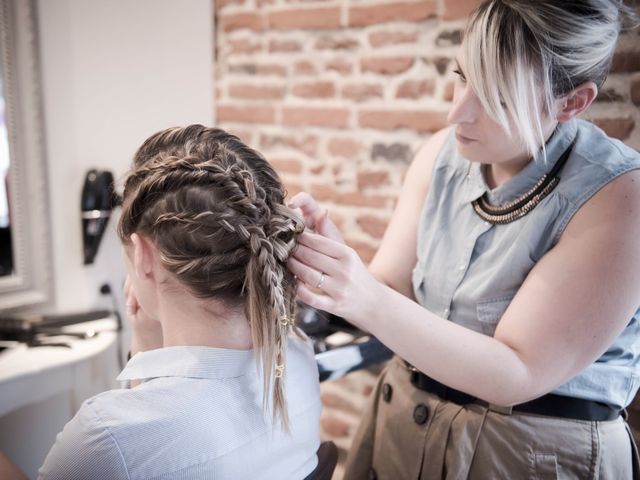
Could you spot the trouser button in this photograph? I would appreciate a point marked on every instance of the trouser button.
(420, 414)
(387, 392)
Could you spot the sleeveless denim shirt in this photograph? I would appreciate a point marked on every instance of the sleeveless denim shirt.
(468, 270)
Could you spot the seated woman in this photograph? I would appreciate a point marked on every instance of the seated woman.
(224, 388)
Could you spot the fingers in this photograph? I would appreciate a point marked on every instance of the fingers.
(310, 276)
(324, 245)
(316, 260)
(325, 227)
(313, 299)
(304, 202)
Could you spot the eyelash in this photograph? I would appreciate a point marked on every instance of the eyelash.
(459, 73)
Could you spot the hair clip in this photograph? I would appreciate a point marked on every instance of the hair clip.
(299, 227)
(287, 321)
(279, 371)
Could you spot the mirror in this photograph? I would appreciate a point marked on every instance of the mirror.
(25, 258)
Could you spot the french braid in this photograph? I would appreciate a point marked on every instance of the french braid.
(215, 210)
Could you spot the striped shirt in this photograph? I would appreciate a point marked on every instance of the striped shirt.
(199, 415)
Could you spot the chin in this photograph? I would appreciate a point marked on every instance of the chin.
(471, 153)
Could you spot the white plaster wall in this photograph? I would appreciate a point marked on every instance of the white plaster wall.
(114, 72)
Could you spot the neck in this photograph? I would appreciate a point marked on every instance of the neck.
(497, 174)
(189, 321)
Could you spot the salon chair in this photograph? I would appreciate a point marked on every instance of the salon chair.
(339, 347)
(327, 460)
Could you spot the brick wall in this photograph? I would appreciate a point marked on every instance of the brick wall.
(339, 94)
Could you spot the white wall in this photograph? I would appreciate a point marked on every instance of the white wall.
(114, 72)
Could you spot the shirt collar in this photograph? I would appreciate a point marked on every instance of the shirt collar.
(525, 179)
(187, 361)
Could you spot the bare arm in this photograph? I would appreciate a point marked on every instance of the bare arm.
(396, 256)
(571, 307)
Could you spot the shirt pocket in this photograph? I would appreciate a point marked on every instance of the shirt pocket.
(490, 312)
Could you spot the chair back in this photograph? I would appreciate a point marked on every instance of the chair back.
(327, 460)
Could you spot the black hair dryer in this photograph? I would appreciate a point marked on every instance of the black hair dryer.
(98, 199)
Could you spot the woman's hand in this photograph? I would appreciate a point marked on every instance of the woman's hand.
(333, 278)
(315, 218)
(146, 332)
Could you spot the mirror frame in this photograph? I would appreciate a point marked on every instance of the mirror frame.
(31, 284)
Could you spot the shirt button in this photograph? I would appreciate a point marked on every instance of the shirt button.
(420, 414)
(462, 267)
(445, 312)
(487, 223)
(387, 392)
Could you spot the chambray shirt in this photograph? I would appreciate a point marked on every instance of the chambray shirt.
(468, 270)
(198, 415)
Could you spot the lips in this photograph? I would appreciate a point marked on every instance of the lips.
(464, 139)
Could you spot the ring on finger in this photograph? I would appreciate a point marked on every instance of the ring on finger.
(319, 285)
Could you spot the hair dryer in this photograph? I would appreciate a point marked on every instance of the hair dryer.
(98, 199)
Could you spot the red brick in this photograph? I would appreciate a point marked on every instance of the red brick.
(303, 67)
(253, 114)
(626, 62)
(415, 89)
(326, 193)
(305, 18)
(321, 117)
(340, 65)
(366, 251)
(316, 169)
(336, 43)
(374, 226)
(362, 91)
(287, 165)
(271, 69)
(635, 91)
(243, 134)
(243, 45)
(314, 90)
(307, 144)
(343, 147)
(372, 179)
(387, 65)
(220, 4)
(284, 46)
(418, 120)
(455, 9)
(362, 16)
(265, 2)
(255, 91)
(381, 39)
(238, 21)
(292, 189)
(619, 128)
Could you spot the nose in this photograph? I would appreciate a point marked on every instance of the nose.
(465, 105)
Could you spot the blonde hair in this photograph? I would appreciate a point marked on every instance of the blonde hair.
(215, 210)
(522, 55)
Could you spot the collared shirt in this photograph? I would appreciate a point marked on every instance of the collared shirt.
(469, 270)
(197, 415)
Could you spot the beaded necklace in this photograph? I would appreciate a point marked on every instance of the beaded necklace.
(518, 208)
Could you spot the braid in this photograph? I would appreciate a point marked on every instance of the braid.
(215, 209)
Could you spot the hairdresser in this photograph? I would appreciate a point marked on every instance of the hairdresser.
(508, 280)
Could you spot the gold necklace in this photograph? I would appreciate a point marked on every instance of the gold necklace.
(518, 208)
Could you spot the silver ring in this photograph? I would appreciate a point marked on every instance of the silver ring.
(321, 280)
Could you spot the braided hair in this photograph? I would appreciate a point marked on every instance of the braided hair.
(215, 210)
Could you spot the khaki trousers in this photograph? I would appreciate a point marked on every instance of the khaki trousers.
(407, 433)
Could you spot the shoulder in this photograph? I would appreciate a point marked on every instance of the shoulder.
(431, 149)
(84, 449)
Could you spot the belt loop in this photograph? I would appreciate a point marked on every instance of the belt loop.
(499, 409)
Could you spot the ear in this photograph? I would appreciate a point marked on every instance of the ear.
(577, 101)
(143, 256)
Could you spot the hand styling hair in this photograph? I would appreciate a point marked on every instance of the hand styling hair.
(215, 210)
